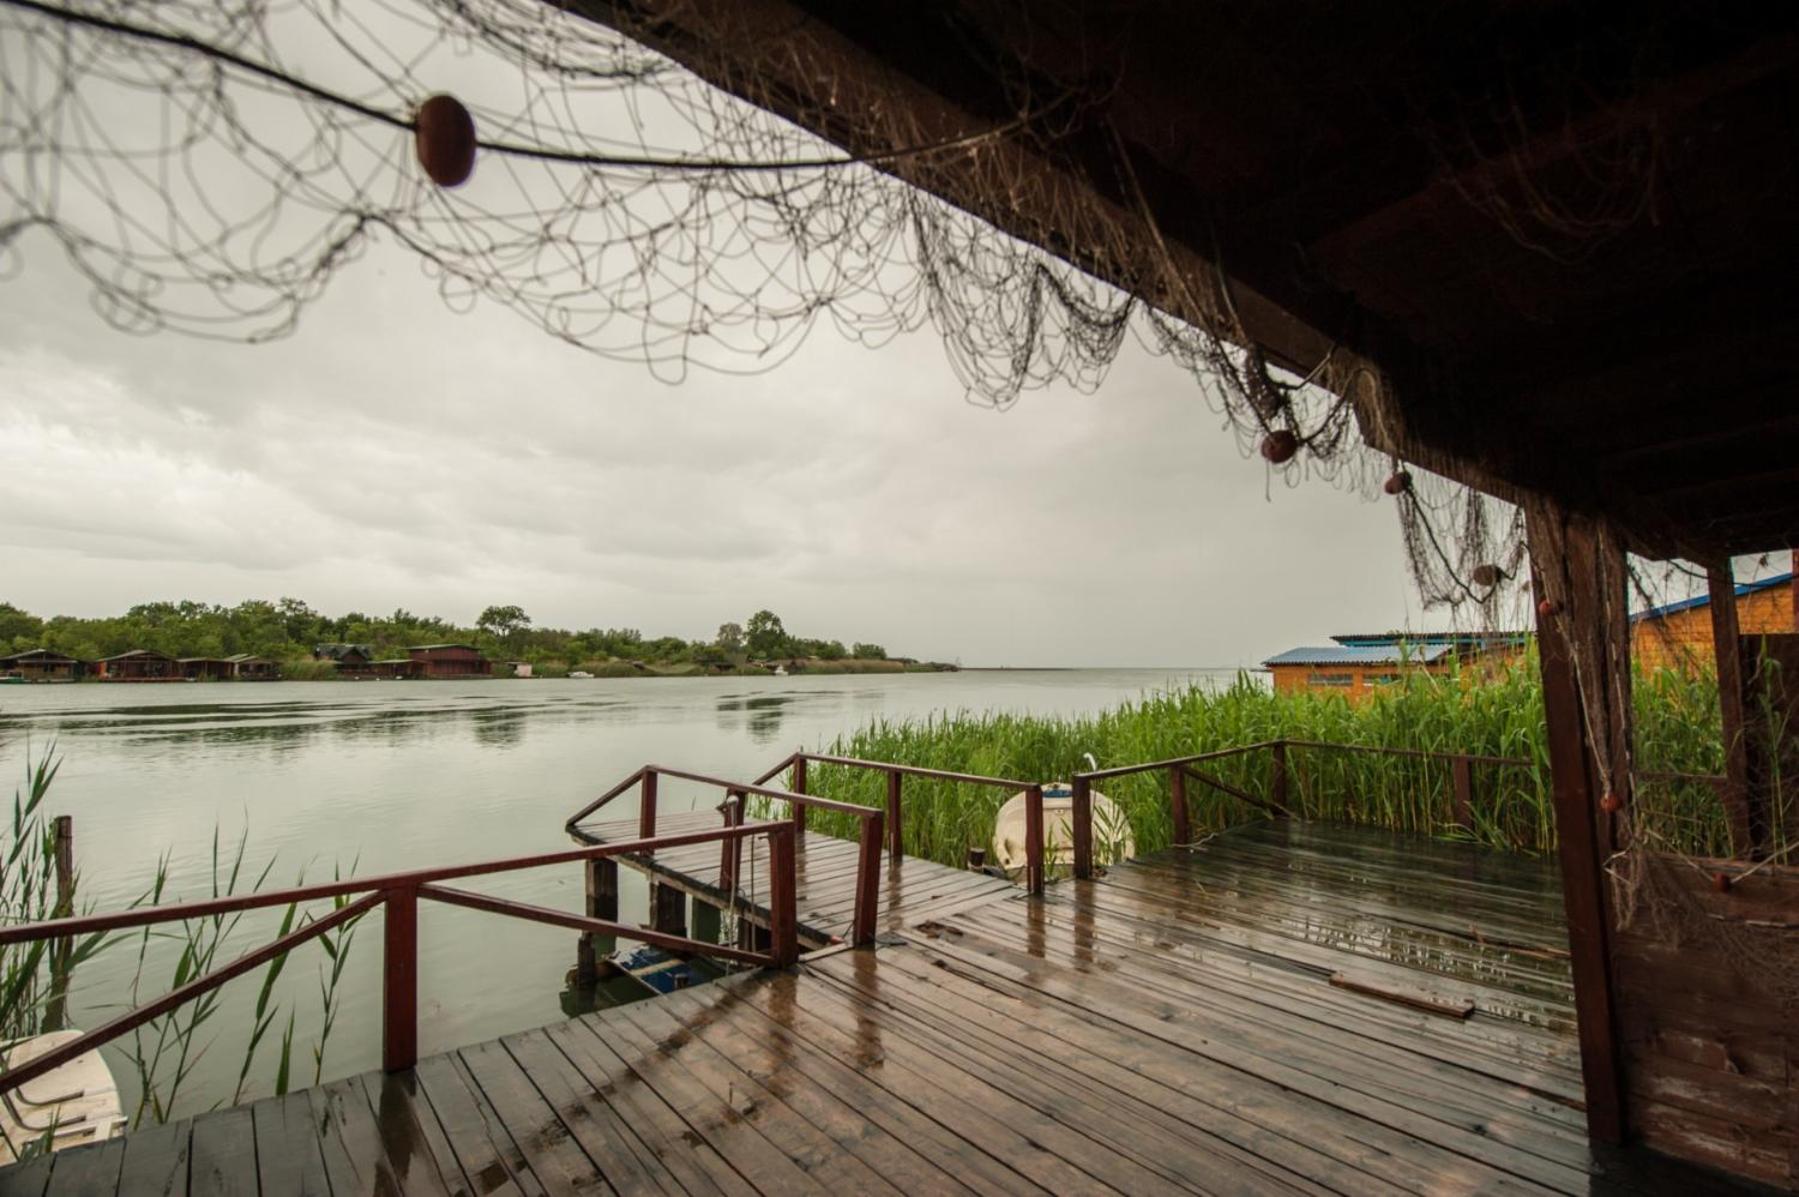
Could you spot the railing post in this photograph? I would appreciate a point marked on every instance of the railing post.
(783, 897)
(1033, 839)
(400, 979)
(1462, 769)
(1177, 804)
(602, 903)
(646, 805)
(895, 841)
(1082, 813)
(868, 881)
(798, 786)
(1277, 777)
(62, 949)
(730, 852)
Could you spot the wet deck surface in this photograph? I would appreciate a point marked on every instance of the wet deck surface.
(911, 889)
(1172, 1027)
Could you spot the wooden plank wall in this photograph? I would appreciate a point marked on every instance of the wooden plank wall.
(1707, 1022)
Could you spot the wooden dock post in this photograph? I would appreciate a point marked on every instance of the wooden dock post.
(1177, 804)
(1462, 773)
(783, 897)
(1277, 777)
(400, 979)
(62, 835)
(668, 909)
(895, 840)
(1033, 839)
(601, 903)
(1081, 811)
(868, 883)
(646, 805)
(730, 852)
(798, 786)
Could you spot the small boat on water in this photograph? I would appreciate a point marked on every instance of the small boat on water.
(69, 1106)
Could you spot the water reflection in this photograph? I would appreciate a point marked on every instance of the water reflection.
(760, 715)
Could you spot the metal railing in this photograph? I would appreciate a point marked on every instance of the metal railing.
(398, 894)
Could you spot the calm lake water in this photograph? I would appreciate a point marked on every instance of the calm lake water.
(379, 776)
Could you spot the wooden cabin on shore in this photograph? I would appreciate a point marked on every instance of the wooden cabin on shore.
(248, 667)
(206, 669)
(139, 665)
(441, 661)
(42, 665)
(1356, 666)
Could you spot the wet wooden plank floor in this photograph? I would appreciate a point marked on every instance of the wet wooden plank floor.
(910, 888)
(1169, 1028)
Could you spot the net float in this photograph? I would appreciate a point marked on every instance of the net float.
(444, 137)
(1280, 445)
(1398, 484)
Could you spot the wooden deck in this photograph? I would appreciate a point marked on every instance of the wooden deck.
(1171, 1027)
(911, 889)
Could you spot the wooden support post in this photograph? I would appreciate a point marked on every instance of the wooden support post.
(601, 903)
(783, 897)
(1081, 811)
(798, 786)
(1462, 772)
(1177, 805)
(62, 950)
(730, 852)
(1033, 839)
(1277, 777)
(646, 805)
(707, 921)
(668, 909)
(895, 838)
(1732, 707)
(868, 882)
(1589, 596)
(400, 979)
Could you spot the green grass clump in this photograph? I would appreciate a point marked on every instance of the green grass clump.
(1499, 715)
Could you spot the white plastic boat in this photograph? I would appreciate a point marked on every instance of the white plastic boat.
(1112, 840)
(75, 1104)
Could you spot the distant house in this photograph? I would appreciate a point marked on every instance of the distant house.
(205, 669)
(400, 668)
(138, 665)
(1679, 635)
(1357, 665)
(349, 658)
(450, 661)
(42, 665)
(248, 667)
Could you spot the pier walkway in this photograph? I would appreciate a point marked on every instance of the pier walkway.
(1286, 1008)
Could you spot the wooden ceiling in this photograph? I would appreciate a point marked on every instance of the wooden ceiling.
(1565, 233)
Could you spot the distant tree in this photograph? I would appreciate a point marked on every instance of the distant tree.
(18, 626)
(868, 652)
(765, 635)
(504, 622)
(830, 650)
(730, 638)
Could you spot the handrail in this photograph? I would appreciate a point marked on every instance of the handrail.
(1148, 766)
(647, 778)
(399, 894)
(1035, 874)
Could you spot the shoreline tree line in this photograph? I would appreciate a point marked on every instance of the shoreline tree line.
(287, 630)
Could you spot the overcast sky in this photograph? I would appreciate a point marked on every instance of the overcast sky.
(396, 454)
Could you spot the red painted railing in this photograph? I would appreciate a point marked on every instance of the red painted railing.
(647, 781)
(399, 894)
(896, 774)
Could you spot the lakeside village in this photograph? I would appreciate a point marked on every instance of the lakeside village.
(259, 641)
(1354, 666)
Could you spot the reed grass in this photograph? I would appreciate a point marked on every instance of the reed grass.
(1499, 715)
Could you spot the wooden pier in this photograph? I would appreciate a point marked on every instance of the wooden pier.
(1180, 1024)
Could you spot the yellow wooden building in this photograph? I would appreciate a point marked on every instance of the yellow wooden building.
(1355, 666)
(1679, 635)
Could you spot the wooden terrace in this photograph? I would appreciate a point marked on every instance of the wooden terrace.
(1286, 1007)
